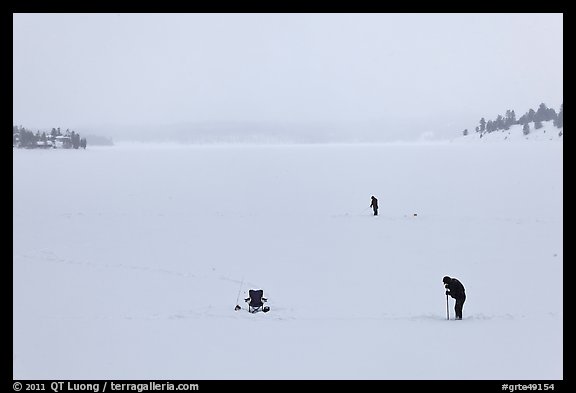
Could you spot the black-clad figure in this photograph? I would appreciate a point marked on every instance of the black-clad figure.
(374, 205)
(455, 289)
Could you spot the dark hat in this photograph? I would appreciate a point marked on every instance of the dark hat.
(446, 279)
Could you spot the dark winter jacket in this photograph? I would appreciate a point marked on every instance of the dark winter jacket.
(456, 289)
(374, 203)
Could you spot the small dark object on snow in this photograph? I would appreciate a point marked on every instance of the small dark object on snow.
(415, 214)
(374, 204)
(237, 308)
(266, 309)
(256, 300)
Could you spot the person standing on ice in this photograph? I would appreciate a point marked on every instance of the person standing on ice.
(455, 289)
(374, 205)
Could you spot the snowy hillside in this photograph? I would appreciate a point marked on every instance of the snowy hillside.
(548, 132)
(128, 262)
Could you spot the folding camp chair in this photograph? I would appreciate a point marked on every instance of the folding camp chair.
(256, 301)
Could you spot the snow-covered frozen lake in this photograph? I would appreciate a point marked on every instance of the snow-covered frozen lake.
(128, 262)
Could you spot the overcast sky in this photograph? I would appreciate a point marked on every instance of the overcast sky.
(97, 70)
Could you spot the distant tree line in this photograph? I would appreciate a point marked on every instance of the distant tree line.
(25, 138)
(99, 140)
(509, 119)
